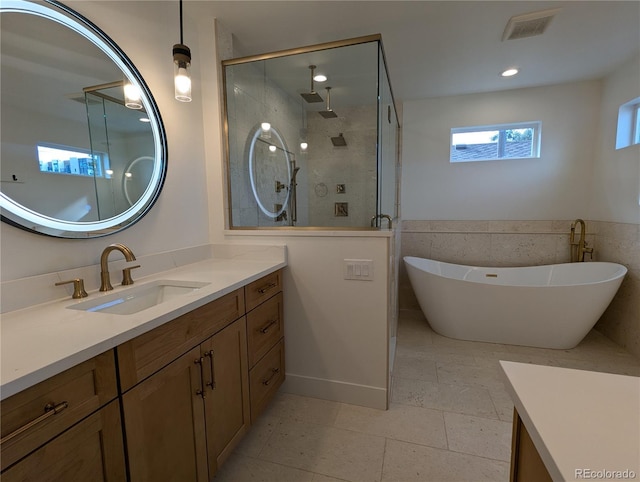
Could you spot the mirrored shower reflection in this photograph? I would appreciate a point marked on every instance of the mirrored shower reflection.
(308, 152)
(122, 146)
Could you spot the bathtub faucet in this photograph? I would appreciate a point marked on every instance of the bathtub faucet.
(579, 248)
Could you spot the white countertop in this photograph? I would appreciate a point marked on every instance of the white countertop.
(579, 420)
(44, 340)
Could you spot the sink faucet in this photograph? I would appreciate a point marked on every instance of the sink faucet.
(105, 284)
(579, 248)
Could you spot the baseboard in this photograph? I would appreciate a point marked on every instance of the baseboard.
(337, 391)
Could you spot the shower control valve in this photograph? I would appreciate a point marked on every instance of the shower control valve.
(280, 186)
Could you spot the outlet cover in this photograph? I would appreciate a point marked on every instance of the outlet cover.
(358, 269)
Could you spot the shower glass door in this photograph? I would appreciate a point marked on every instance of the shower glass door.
(308, 151)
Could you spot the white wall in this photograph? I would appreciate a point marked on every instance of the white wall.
(336, 330)
(616, 182)
(180, 217)
(552, 187)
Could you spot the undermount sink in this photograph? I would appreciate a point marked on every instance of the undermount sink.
(139, 298)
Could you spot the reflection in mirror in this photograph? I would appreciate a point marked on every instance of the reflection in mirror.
(136, 178)
(270, 168)
(68, 139)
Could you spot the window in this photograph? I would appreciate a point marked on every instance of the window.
(74, 161)
(636, 124)
(628, 132)
(488, 143)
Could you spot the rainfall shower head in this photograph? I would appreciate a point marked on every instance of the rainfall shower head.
(311, 96)
(328, 112)
(339, 141)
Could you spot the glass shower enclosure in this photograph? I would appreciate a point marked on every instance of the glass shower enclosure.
(122, 149)
(312, 138)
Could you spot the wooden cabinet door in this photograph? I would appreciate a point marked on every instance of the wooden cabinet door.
(76, 392)
(164, 424)
(227, 411)
(92, 450)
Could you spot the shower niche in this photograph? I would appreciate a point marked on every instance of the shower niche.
(311, 131)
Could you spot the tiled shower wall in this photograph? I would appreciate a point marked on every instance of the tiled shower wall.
(620, 243)
(530, 243)
(353, 165)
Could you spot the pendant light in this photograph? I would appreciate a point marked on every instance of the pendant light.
(132, 96)
(182, 68)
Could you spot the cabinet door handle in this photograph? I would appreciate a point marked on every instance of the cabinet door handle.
(266, 288)
(268, 326)
(200, 391)
(274, 372)
(50, 410)
(212, 383)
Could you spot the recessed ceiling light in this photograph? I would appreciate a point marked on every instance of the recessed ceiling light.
(509, 72)
(320, 78)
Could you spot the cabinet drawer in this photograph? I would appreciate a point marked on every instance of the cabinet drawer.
(263, 289)
(264, 328)
(148, 353)
(265, 379)
(91, 450)
(25, 421)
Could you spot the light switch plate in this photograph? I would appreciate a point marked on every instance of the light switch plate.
(358, 269)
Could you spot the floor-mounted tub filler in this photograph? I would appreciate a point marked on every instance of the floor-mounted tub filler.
(551, 306)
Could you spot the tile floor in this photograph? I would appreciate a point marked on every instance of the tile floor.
(449, 419)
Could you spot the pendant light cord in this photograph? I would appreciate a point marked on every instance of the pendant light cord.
(181, 39)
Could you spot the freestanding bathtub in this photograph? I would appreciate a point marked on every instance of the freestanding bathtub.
(551, 306)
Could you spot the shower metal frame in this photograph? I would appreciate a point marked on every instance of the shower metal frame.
(295, 51)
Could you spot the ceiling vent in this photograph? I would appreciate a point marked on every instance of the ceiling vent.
(529, 24)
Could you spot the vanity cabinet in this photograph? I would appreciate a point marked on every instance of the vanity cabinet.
(265, 330)
(265, 333)
(151, 351)
(526, 463)
(164, 423)
(182, 421)
(188, 392)
(193, 385)
(66, 427)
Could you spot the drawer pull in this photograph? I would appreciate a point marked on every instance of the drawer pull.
(266, 288)
(200, 391)
(274, 372)
(268, 326)
(49, 411)
(212, 383)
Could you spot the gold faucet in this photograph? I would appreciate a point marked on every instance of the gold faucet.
(579, 248)
(105, 282)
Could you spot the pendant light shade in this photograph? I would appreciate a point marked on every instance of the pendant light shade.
(132, 96)
(182, 67)
(182, 72)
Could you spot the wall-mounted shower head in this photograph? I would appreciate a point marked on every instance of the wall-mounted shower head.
(328, 112)
(311, 96)
(339, 141)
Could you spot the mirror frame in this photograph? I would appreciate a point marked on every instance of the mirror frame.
(19, 216)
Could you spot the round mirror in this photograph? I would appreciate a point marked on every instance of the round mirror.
(83, 147)
(269, 170)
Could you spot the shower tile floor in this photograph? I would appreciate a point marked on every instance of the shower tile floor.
(449, 417)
